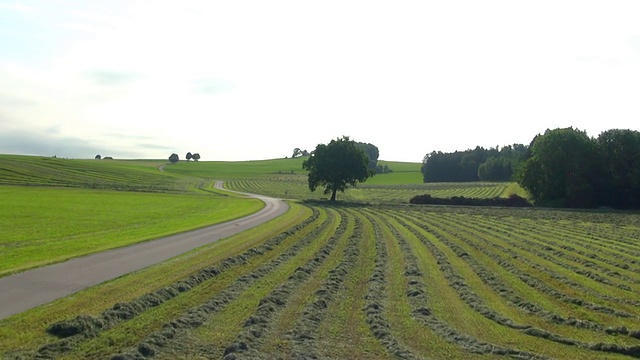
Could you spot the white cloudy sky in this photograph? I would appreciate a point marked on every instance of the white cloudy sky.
(246, 80)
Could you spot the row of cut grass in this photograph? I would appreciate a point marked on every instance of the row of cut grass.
(476, 279)
(24, 331)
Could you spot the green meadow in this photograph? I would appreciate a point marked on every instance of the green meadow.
(368, 277)
(56, 209)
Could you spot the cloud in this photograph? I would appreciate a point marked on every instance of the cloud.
(31, 144)
(111, 78)
(17, 7)
(28, 143)
(156, 147)
(213, 86)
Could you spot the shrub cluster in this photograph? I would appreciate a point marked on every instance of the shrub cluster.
(512, 201)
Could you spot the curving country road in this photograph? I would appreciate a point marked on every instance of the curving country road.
(26, 290)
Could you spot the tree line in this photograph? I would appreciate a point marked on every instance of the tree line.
(479, 164)
(561, 168)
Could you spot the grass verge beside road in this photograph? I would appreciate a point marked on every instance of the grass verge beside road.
(46, 225)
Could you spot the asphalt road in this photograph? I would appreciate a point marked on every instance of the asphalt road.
(26, 290)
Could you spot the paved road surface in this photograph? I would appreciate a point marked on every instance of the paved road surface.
(31, 288)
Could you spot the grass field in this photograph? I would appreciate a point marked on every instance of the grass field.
(373, 278)
(45, 225)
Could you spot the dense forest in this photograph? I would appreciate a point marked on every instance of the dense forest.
(479, 164)
(562, 167)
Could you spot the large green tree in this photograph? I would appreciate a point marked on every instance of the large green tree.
(337, 165)
(563, 170)
(620, 152)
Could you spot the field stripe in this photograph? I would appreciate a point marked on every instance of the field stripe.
(171, 300)
(268, 318)
(504, 315)
(345, 333)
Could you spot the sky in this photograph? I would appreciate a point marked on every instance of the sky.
(251, 80)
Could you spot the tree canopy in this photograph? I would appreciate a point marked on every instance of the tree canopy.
(563, 169)
(620, 156)
(494, 164)
(337, 165)
(174, 158)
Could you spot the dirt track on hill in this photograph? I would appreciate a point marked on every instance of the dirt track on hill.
(26, 290)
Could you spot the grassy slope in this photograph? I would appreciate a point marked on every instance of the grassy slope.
(46, 225)
(56, 209)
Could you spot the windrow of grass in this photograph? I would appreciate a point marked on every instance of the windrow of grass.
(510, 316)
(359, 281)
(24, 333)
(521, 289)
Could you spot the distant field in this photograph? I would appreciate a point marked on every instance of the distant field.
(55, 209)
(122, 175)
(296, 187)
(284, 178)
(368, 282)
(227, 170)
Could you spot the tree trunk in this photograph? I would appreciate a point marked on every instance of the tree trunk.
(333, 195)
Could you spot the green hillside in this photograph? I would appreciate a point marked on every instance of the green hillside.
(130, 175)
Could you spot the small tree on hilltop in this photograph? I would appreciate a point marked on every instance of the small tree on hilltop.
(189, 156)
(174, 158)
(195, 157)
(336, 166)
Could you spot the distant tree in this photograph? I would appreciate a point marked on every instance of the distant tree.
(296, 153)
(189, 156)
(174, 158)
(495, 169)
(98, 157)
(107, 158)
(195, 157)
(305, 153)
(372, 153)
(336, 166)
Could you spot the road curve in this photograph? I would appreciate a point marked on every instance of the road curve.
(26, 290)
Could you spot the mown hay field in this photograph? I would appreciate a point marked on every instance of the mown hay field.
(366, 280)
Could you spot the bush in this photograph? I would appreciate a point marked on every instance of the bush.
(512, 201)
